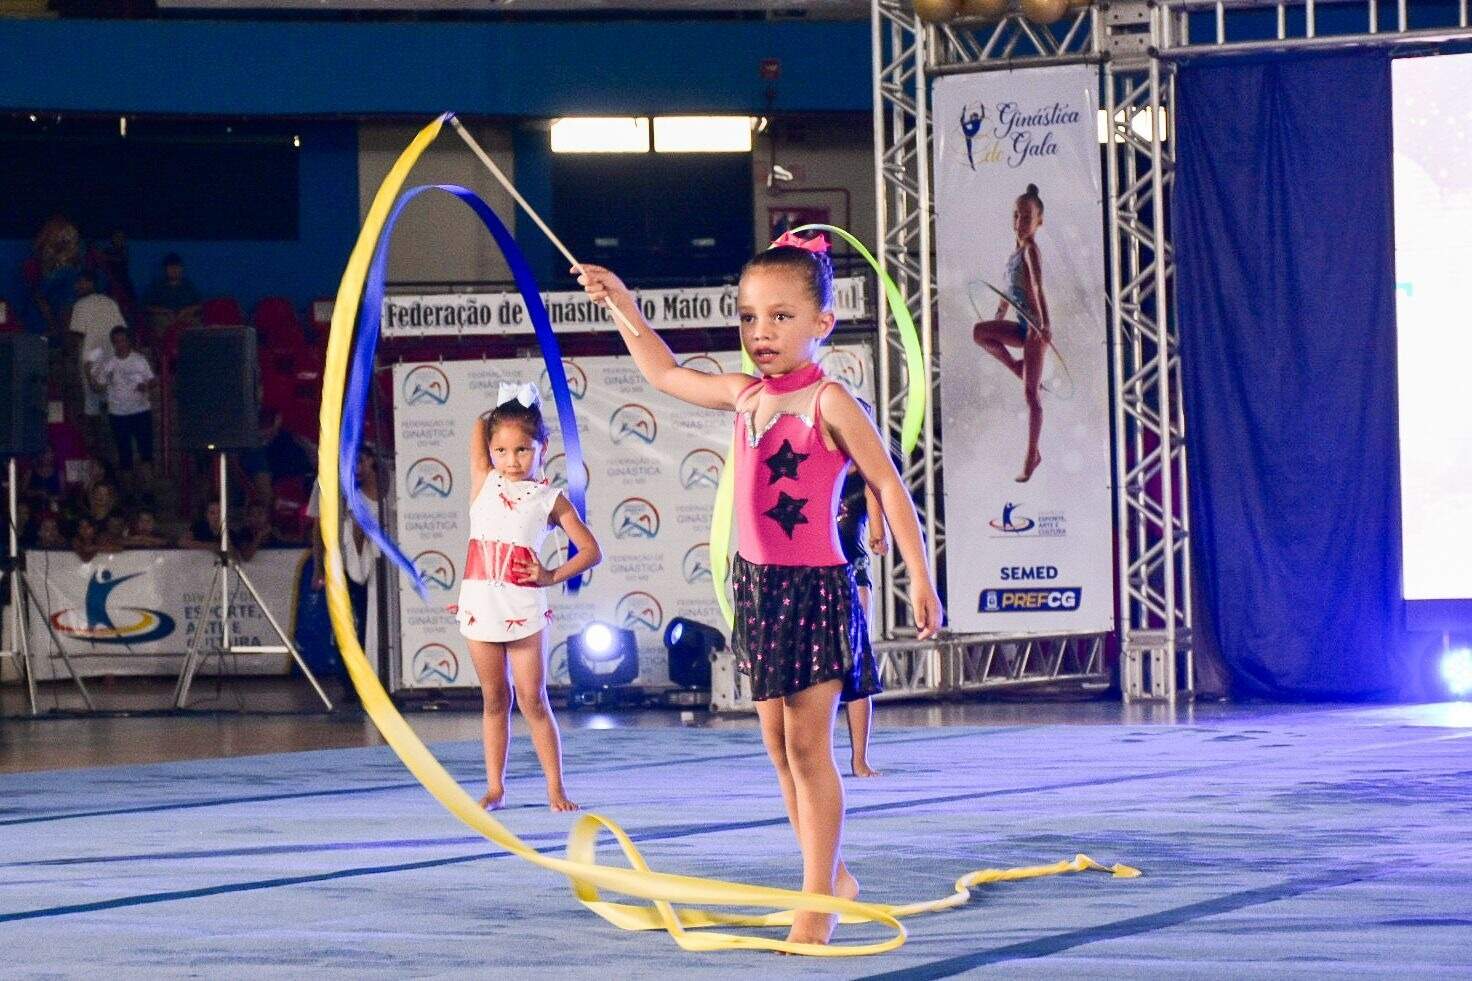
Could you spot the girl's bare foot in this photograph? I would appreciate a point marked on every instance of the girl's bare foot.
(861, 768)
(845, 886)
(557, 800)
(494, 800)
(812, 927)
(1029, 467)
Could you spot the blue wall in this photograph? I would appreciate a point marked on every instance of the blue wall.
(301, 270)
(510, 69)
(323, 69)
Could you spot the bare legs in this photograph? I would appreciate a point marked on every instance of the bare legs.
(523, 662)
(860, 715)
(495, 694)
(798, 733)
(997, 337)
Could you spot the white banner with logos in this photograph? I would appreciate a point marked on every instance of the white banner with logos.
(1022, 298)
(652, 461)
(135, 612)
(472, 314)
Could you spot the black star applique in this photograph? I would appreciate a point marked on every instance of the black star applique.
(787, 512)
(784, 462)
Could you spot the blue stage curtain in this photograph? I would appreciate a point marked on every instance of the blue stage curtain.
(1285, 278)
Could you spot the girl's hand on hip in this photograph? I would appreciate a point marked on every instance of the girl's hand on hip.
(531, 572)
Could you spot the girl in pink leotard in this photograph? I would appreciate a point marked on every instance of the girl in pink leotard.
(800, 631)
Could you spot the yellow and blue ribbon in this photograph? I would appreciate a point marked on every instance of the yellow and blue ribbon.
(661, 890)
(361, 379)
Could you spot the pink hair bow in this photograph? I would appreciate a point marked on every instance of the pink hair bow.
(818, 243)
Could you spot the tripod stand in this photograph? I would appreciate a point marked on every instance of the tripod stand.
(225, 565)
(22, 600)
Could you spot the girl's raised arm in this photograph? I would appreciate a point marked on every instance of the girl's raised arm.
(480, 456)
(653, 356)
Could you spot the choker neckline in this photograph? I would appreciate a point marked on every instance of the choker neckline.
(793, 380)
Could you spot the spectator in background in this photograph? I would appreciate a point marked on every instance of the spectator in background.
(101, 503)
(85, 540)
(111, 258)
(129, 382)
(50, 274)
(205, 532)
(114, 534)
(172, 298)
(94, 317)
(42, 481)
(48, 533)
(143, 531)
(258, 532)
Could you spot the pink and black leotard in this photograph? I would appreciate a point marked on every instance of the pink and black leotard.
(798, 618)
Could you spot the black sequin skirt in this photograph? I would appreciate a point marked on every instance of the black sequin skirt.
(799, 626)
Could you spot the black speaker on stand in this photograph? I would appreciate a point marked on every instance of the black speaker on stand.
(217, 391)
(23, 360)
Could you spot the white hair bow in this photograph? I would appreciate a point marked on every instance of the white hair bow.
(526, 394)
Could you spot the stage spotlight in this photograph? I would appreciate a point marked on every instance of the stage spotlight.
(1456, 671)
(601, 658)
(690, 644)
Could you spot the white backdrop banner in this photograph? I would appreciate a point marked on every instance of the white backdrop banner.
(123, 613)
(473, 314)
(1036, 555)
(652, 461)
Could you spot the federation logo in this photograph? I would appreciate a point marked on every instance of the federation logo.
(436, 569)
(1011, 522)
(632, 421)
(701, 468)
(696, 564)
(100, 623)
(639, 609)
(703, 362)
(426, 383)
(555, 470)
(635, 517)
(577, 379)
(429, 477)
(435, 664)
(844, 366)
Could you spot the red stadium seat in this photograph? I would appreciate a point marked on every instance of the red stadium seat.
(292, 495)
(277, 326)
(222, 311)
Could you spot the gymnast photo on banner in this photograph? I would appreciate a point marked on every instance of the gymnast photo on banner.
(1022, 321)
